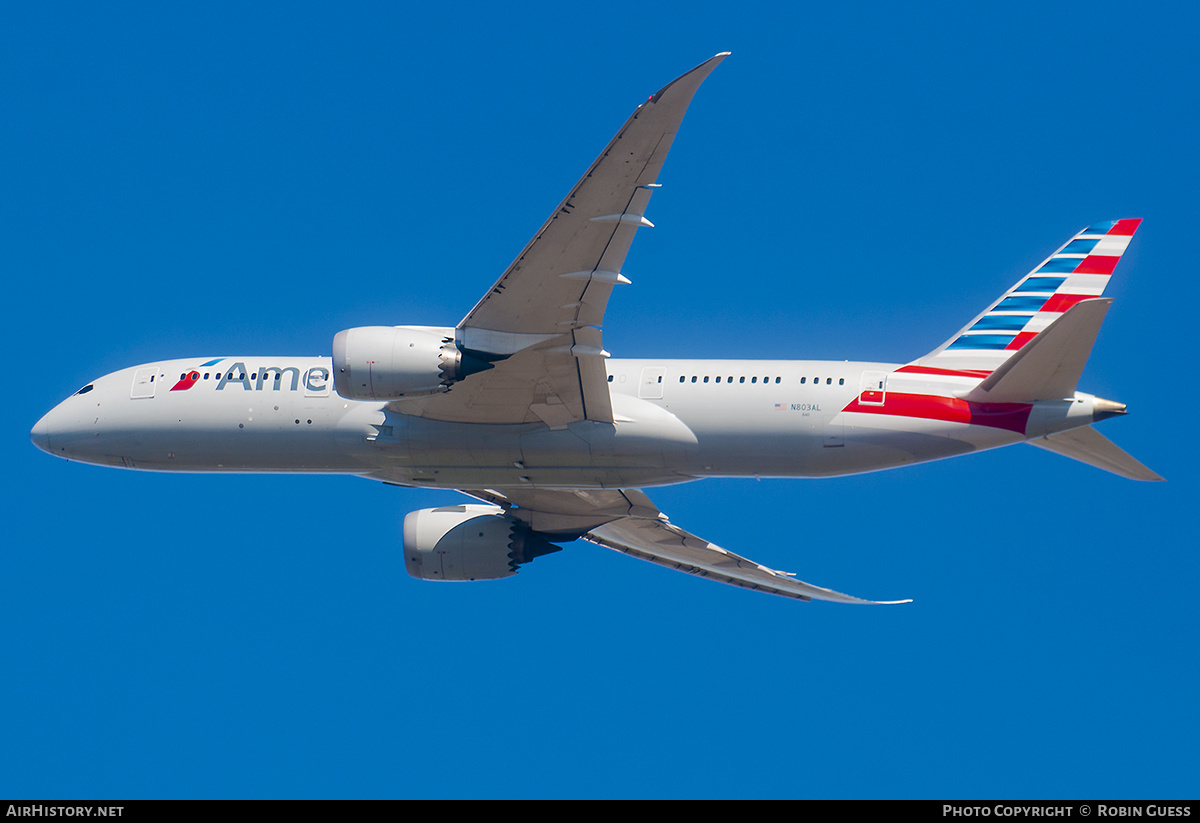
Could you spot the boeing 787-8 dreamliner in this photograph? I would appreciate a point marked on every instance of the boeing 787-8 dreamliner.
(520, 407)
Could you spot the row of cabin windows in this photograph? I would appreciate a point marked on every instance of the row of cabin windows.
(730, 379)
(252, 377)
(803, 380)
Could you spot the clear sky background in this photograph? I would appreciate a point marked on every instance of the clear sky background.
(855, 182)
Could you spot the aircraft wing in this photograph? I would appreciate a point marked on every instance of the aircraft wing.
(538, 326)
(626, 521)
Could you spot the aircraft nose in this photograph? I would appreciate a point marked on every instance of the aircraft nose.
(40, 434)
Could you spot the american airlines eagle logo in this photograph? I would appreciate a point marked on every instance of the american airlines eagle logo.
(186, 381)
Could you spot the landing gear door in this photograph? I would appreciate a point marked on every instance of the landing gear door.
(873, 388)
(143, 383)
(651, 385)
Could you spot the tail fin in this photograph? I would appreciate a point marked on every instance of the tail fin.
(1078, 271)
(1087, 445)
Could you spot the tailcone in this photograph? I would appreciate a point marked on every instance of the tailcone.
(1103, 409)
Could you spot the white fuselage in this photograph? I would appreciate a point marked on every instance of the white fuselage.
(676, 420)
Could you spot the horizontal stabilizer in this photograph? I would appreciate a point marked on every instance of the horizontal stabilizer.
(1087, 445)
(1050, 365)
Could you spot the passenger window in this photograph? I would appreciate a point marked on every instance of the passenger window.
(802, 379)
(778, 379)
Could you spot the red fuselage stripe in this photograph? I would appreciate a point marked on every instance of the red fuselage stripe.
(1010, 416)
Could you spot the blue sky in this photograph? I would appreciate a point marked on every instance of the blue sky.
(853, 183)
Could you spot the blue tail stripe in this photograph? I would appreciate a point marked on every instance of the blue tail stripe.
(1080, 247)
(1055, 264)
(982, 341)
(1001, 322)
(1040, 284)
(1022, 303)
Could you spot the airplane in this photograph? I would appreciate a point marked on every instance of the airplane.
(520, 407)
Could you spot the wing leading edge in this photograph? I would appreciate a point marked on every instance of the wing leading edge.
(539, 325)
(625, 520)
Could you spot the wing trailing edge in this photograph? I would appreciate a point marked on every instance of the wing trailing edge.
(626, 520)
(657, 541)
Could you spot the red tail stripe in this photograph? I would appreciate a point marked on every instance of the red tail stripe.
(1062, 302)
(1020, 340)
(1126, 227)
(1097, 264)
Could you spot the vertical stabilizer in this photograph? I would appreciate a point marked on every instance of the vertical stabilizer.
(1078, 271)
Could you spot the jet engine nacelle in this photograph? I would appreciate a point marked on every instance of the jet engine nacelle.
(468, 542)
(390, 362)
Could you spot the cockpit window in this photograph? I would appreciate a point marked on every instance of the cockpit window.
(86, 389)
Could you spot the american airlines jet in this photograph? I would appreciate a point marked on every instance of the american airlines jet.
(520, 407)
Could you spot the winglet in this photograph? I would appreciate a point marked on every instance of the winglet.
(689, 81)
